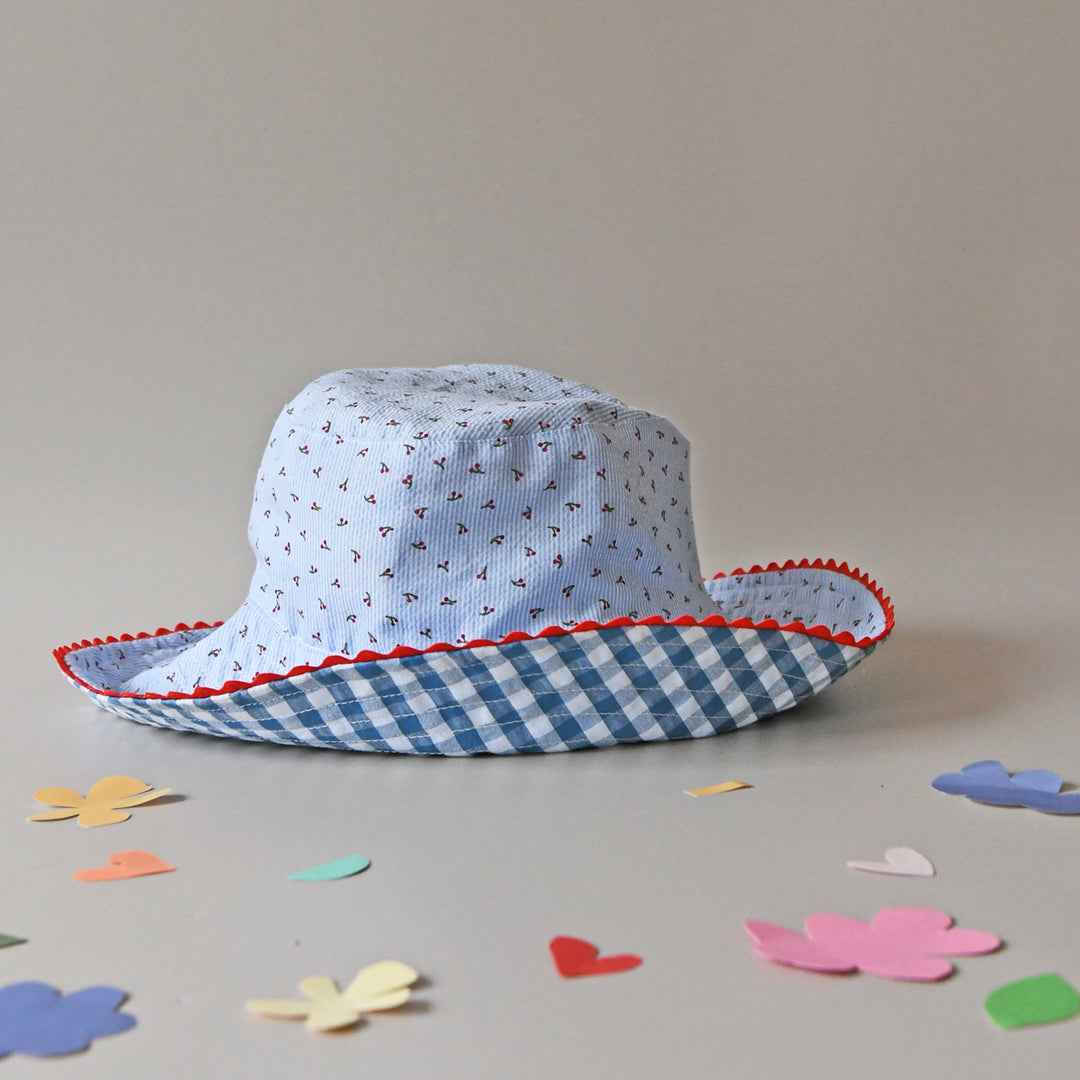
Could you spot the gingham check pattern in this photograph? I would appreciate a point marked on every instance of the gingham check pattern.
(595, 688)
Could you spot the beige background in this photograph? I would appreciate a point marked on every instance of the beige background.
(837, 243)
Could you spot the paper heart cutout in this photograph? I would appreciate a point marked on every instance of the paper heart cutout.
(125, 864)
(331, 871)
(903, 861)
(574, 957)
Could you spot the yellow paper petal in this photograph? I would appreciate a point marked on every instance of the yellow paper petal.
(319, 988)
(54, 815)
(280, 1009)
(138, 800)
(329, 1015)
(111, 788)
(96, 814)
(716, 789)
(383, 1001)
(59, 796)
(380, 986)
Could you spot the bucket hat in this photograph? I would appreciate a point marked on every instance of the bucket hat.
(484, 559)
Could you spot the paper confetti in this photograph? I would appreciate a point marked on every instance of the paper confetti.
(7, 939)
(125, 864)
(1038, 1000)
(903, 861)
(331, 871)
(898, 943)
(574, 957)
(381, 986)
(989, 782)
(36, 1019)
(716, 789)
(104, 803)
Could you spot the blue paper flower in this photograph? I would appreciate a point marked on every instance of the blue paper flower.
(989, 782)
(37, 1019)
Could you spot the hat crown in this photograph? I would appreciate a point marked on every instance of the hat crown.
(461, 403)
(417, 506)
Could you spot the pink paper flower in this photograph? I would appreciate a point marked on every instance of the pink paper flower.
(897, 943)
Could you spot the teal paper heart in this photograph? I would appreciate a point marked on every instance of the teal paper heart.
(330, 871)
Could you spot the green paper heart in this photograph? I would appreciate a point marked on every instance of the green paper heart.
(338, 868)
(1038, 1000)
(7, 939)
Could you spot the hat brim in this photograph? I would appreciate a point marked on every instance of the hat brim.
(594, 685)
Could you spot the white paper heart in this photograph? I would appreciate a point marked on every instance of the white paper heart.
(904, 861)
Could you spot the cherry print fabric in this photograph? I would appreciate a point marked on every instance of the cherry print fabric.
(410, 507)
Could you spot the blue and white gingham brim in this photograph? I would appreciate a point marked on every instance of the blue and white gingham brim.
(615, 684)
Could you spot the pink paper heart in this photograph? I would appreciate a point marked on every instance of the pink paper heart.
(903, 861)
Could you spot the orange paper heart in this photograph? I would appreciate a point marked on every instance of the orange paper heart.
(125, 864)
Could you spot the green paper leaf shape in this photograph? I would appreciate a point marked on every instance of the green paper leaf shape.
(1038, 1000)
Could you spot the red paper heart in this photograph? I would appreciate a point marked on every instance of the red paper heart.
(125, 864)
(576, 957)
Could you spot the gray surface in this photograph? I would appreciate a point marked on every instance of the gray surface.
(836, 244)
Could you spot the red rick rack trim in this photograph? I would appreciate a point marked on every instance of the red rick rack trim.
(402, 651)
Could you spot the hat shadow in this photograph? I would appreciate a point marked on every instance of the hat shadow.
(940, 677)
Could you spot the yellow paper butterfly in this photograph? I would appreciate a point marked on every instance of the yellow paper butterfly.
(103, 804)
(381, 986)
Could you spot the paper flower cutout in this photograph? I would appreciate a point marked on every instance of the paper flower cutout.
(103, 804)
(898, 943)
(989, 782)
(375, 988)
(36, 1019)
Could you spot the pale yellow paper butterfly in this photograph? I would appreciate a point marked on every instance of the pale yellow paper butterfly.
(381, 986)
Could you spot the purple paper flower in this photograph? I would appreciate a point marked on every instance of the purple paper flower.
(990, 782)
(37, 1019)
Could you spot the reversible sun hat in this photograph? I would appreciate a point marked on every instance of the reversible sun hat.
(484, 559)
